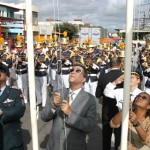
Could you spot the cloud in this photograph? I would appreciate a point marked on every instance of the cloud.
(110, 14)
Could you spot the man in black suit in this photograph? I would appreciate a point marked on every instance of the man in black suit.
(109, 108)
(12, 108)
(1, 137)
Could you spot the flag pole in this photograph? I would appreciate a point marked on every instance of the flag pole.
(127, 81)
(31, 75)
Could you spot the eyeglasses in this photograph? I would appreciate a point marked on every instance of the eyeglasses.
(76, 70)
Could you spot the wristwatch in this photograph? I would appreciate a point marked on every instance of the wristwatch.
(136, 124)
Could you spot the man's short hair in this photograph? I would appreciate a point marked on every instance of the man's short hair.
(84, 68)
(115, 61)
(5, 69)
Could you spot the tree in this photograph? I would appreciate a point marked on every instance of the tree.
(71, 29)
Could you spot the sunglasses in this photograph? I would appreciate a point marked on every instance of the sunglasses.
(143, 97)
(76, 70)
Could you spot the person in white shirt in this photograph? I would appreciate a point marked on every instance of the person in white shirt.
(45, 48)
(110, 91)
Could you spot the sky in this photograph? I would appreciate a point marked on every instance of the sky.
(110, 14)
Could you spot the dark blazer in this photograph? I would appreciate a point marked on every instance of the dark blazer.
(81, 121)
(1, 137)
(109, 108)
(12, 105)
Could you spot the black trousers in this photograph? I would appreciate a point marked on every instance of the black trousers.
(107, 134)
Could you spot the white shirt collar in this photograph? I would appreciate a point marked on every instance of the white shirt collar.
(76, 91)
(2, 89)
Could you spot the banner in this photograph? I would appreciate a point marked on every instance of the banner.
(95, 35)
(84, 34)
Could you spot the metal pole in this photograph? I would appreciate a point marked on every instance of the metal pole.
(31, 74)
(139, 12)
(127, 83)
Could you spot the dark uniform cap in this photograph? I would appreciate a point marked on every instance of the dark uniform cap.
(5, 69)
(138, 73)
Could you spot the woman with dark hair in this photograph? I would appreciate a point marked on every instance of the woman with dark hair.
(139, 123)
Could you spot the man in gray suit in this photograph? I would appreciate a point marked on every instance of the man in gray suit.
(73, 115)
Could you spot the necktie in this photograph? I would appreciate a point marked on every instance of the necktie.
(71, 98)
(0, 92)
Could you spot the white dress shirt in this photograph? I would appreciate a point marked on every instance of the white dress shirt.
(2, 89)
(117, 94)
(74, 96)
(75, 93)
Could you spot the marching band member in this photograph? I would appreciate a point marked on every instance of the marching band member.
(83, 52)
(65, 55)
(45, 48)
(41, 66)
(146, 73)
(6, 59)
(21, 66)
(102, 59)
(53, 67)
(49, 54)
(93, 69)
(76, 56)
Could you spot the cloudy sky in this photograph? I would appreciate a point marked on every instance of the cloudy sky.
(110, 14)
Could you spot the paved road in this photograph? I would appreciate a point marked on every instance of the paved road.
(94, 139)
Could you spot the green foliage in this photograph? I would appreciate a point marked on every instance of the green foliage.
(71, 29)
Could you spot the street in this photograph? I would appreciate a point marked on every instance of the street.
(94, 139)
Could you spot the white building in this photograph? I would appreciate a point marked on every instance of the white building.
(16, 12)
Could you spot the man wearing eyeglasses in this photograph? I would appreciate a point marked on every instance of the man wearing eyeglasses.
(73, 112)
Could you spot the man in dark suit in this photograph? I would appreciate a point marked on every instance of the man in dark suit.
(1, 137)
(109, 108)
(12, 108)
(74, 116)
